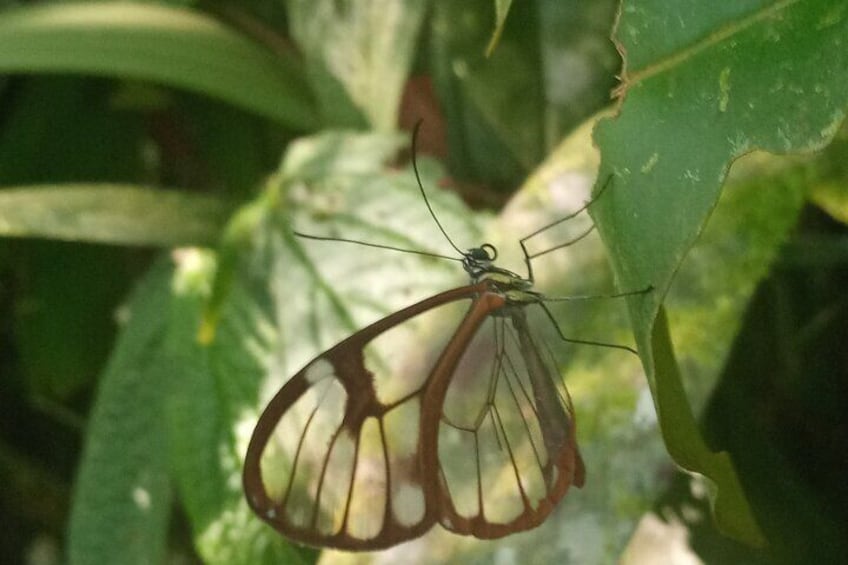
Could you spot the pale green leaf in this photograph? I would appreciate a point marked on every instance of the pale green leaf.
(109, 213)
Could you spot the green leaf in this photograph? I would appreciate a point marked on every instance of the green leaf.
(830, 194)
(192, 407)
(109, 213)
(122, 496)
(493, 106)
(202, 443)
(177, 47)
(350, 195)
(553, 67)
(688, 449)
(307, 161)
(359, 55)
(721, 83)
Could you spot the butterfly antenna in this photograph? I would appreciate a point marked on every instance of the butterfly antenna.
(577, 212)
(390, 247)
(421, 187)
(374, 245)
(523, 241)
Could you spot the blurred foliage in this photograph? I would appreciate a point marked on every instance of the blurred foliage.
(129, 129)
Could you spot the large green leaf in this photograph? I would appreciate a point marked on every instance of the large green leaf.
(722, 82)
(117, 214)
(177, 47)
(122, 497)
(201, 440)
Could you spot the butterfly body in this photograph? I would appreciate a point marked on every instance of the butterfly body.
(482, 441)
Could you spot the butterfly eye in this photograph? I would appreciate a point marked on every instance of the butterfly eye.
(485, 253)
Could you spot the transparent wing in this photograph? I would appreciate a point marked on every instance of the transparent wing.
(376, 439)
(337, 459)
(507, 448)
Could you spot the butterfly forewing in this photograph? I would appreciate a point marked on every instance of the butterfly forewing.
(507, 447)
(336, 458)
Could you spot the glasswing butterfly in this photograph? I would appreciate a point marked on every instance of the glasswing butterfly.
(367, 446)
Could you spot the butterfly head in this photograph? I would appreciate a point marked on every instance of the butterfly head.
(479, 264)
(478, 260)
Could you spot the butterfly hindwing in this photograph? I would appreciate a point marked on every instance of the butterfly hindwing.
(507, 446)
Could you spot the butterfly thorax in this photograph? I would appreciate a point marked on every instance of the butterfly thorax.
(513, 287)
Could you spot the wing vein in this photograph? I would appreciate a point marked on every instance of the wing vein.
(297, 453)
(388, 501)
(530, 403)
(524, 498)
(351, 486)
